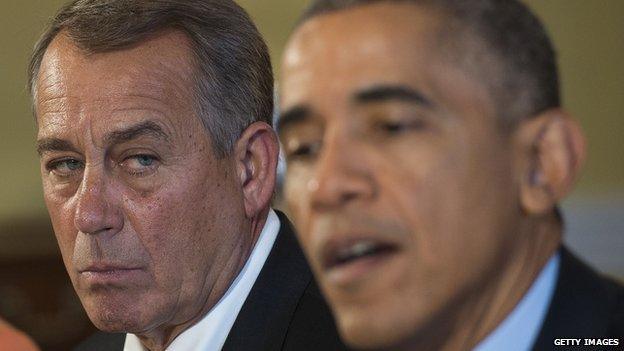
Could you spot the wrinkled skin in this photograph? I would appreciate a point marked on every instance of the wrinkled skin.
(151, 225)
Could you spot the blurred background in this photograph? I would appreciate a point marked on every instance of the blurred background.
(35, 293)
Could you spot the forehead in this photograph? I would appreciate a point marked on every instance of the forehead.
(334, 57)
(157, 69)
(383, 42)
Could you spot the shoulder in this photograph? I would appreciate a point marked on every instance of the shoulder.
(13, 339)
(284, 309)
(616, 323)
(101, 341)
(312, 326)
(585, 287)
(585, 304)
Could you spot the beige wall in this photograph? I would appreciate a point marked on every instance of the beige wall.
(588, 34)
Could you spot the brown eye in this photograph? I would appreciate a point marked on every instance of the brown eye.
(303, 151)
(399, 127)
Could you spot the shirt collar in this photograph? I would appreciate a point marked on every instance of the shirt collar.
(520, 329)
(211, 331)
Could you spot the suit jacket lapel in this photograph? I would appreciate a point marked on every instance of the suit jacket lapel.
(580, 307)
(103, 342)
(264, 319)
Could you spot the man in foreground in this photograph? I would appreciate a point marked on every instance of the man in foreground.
(158, 166)
(427, 152)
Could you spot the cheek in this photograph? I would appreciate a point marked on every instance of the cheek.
(61, 212)
(295, 190)
(297, 196)
(180, 225)
(425, 189)
(459, 201)
(164, 222)
(413, 180)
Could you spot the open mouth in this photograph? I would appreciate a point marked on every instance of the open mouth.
(358, 251)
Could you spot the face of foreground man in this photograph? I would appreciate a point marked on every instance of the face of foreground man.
(414, 206)
(152, 226)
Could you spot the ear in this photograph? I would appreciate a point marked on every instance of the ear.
(552, 147)
(256, 153)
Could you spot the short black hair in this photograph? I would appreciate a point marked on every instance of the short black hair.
(232, 74)
(526, 81)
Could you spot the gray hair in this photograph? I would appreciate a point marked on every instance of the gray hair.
(233, 77)
(512, 53)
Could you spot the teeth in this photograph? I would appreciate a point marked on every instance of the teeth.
(362, 248)
(359, 249)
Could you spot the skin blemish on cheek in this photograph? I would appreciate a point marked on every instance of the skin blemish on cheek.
(312, 185)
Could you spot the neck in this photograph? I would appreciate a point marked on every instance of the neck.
(466, 322)
(257, 224)
(160, 338)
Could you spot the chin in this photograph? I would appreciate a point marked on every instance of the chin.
(112, 317)
(110, 323)
(113, 326)
(370, 330)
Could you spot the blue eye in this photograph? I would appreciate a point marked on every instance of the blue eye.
(65, 167)
(73, 164)
(145, 160)
(140, 164)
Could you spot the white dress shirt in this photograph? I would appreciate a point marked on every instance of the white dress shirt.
(519, 331)
(210, 333)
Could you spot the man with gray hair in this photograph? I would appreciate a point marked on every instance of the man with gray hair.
(158, 163)
(427, 153)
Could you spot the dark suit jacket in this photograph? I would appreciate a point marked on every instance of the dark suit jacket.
(284, 309)
(584, 305)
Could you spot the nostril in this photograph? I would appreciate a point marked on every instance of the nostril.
(349, 196)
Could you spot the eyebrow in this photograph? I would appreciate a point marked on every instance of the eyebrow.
(54, 144)
(381, 93)
(377, 93)
(148, 128)
(294, 115)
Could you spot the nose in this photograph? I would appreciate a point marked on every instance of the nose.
(96, 210)
(342, 175)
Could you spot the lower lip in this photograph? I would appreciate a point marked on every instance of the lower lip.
(110, 277)
(348, 274)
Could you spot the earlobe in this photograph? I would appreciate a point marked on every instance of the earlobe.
(553, 147)
(256, 153)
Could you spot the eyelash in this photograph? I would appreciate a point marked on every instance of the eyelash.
(147, 168)
(304, 151)
(54, 165)
(399, 127)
